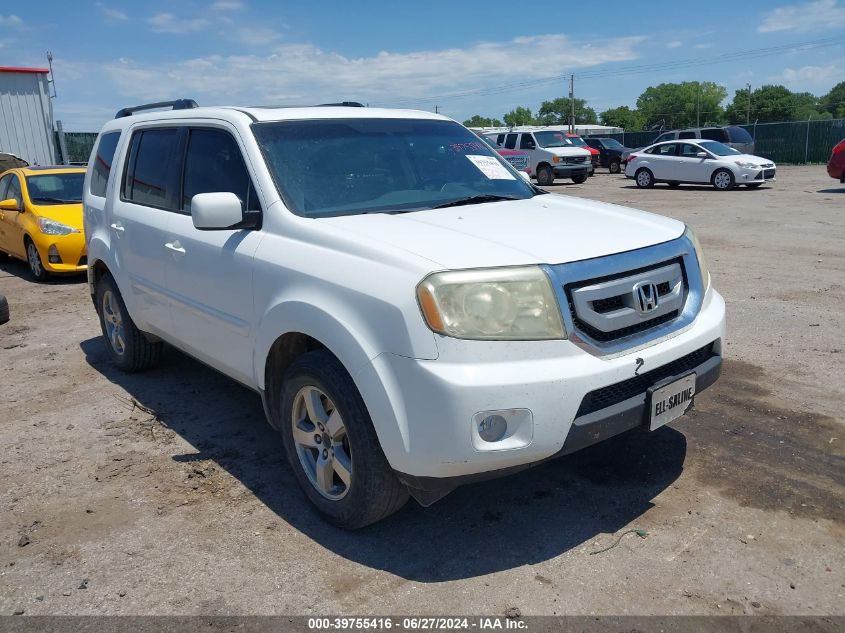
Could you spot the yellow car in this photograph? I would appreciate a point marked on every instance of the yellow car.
(41, 219)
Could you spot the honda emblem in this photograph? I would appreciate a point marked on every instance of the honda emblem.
(645, 297)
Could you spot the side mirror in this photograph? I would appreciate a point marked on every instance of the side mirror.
(525, 176)
(221, 211)
(10, 204)
(701, 155)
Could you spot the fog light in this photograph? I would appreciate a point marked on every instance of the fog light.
(53, 255)
(492, 428)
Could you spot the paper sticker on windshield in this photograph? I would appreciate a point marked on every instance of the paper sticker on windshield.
(490, 167)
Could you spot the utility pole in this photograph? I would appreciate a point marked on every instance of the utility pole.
(698, 106)
(572, 104)
(748, 111)
(436, 109)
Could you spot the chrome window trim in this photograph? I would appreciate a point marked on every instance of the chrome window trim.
(618, 264)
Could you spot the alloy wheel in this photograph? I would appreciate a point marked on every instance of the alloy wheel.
(113, 321)
(34, 260)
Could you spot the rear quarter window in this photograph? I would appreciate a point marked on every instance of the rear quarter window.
(689, 135)
(738, 135)
(715, 134)
(101, 168)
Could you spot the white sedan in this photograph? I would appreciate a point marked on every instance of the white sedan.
(697, 162)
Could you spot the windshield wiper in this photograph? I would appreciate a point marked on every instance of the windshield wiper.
(474, 200)
(51, 200)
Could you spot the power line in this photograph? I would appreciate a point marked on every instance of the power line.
(631, 70)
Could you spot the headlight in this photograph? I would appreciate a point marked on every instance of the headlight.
(492, 304)
(699, 255)
(51, 227)
(745, 165)
(557, 159)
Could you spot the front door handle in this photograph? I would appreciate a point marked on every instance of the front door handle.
(175, 246)
(117, 227)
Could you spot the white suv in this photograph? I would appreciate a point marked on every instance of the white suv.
(551, 154)
(413, 313)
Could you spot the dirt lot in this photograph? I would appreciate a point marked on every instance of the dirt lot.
(108, 508)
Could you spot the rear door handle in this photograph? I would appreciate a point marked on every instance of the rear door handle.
(175, 246)
(118, 227)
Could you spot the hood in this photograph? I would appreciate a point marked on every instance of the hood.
(70, 214)
(546, 229)
(567, 151)
(749, 158)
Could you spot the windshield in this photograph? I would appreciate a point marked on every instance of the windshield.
(353, 166)
(552, 139)
(612, 143)
(577, 141)
(55, 188)
(717, 148)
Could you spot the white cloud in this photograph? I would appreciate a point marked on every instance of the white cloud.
(10, 20)
(811, 16)
(810, 75)
(674, 44)
(169, 23)
(227, 5)
(255, 36)
(112, 14)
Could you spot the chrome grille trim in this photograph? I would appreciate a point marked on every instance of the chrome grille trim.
(625, 266)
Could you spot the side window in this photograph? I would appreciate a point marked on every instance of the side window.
(664, 150)
(510, 141)
(213, 163)
(4, 186)
(715, 134)
(149, 176)
(690, 151)
(500, 139)
(102, 163)
(14, 191)
(668, 136)
(526, 141)
(687, 135)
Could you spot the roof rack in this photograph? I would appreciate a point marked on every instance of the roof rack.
(178, 104)
(345, 104)
(341, 104)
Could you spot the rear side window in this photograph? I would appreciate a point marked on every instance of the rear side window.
(4, 186)
(510, 141)
(102, 163)
(500, 139)
(526, 142)
(715, 134)
(668, 136)
(14, 191)
(686, 135)
(213, 163)
(664, 150)
(738, 135)
(149, 176)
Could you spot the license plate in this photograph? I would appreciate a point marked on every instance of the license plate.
(669, 402)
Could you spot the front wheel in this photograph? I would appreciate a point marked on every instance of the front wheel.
(644, 178)
(545, 176)
(332, 446)
(579, 179)
(723, 179)
(614, 167)
(129, 349)
(36, 267)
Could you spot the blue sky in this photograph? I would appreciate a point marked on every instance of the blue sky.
(465, 57)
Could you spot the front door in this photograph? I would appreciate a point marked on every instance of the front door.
(210, 272)
(11, 235)
(690, 165)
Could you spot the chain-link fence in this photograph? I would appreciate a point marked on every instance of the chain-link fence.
(78, 146)
(794, 142)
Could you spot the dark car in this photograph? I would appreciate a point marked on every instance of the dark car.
(836, 164)
(610, 152)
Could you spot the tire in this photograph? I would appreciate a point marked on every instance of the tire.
(4, 310)
(579, 179)
(723, 179)
(369, 491)
(644, 178)
(128, 348)
(545, 176)
(614, 167)
(753, 185)
(36, 266)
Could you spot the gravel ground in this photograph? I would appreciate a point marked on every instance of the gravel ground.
(183, 505)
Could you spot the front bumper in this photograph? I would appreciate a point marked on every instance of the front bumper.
(755, 175)
(69, 248)
(424, 411)
(568, 171)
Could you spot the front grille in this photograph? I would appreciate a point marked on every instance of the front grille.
(638, 385)
(768, 174)
(577, 160)
(604, 308)
(595, 160)
(83, 261)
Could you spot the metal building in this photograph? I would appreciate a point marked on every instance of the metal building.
(26, 115)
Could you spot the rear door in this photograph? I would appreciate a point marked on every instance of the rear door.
(209, 275)
(663, 162)
(11, 234)
(141, 215)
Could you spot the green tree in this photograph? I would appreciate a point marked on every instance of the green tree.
(482, 121)
(558, 111)
(772, 103)
(623, 117)
(682, 105)
(520, 115)
(834, 101)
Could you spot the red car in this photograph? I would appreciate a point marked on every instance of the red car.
(836, 164)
